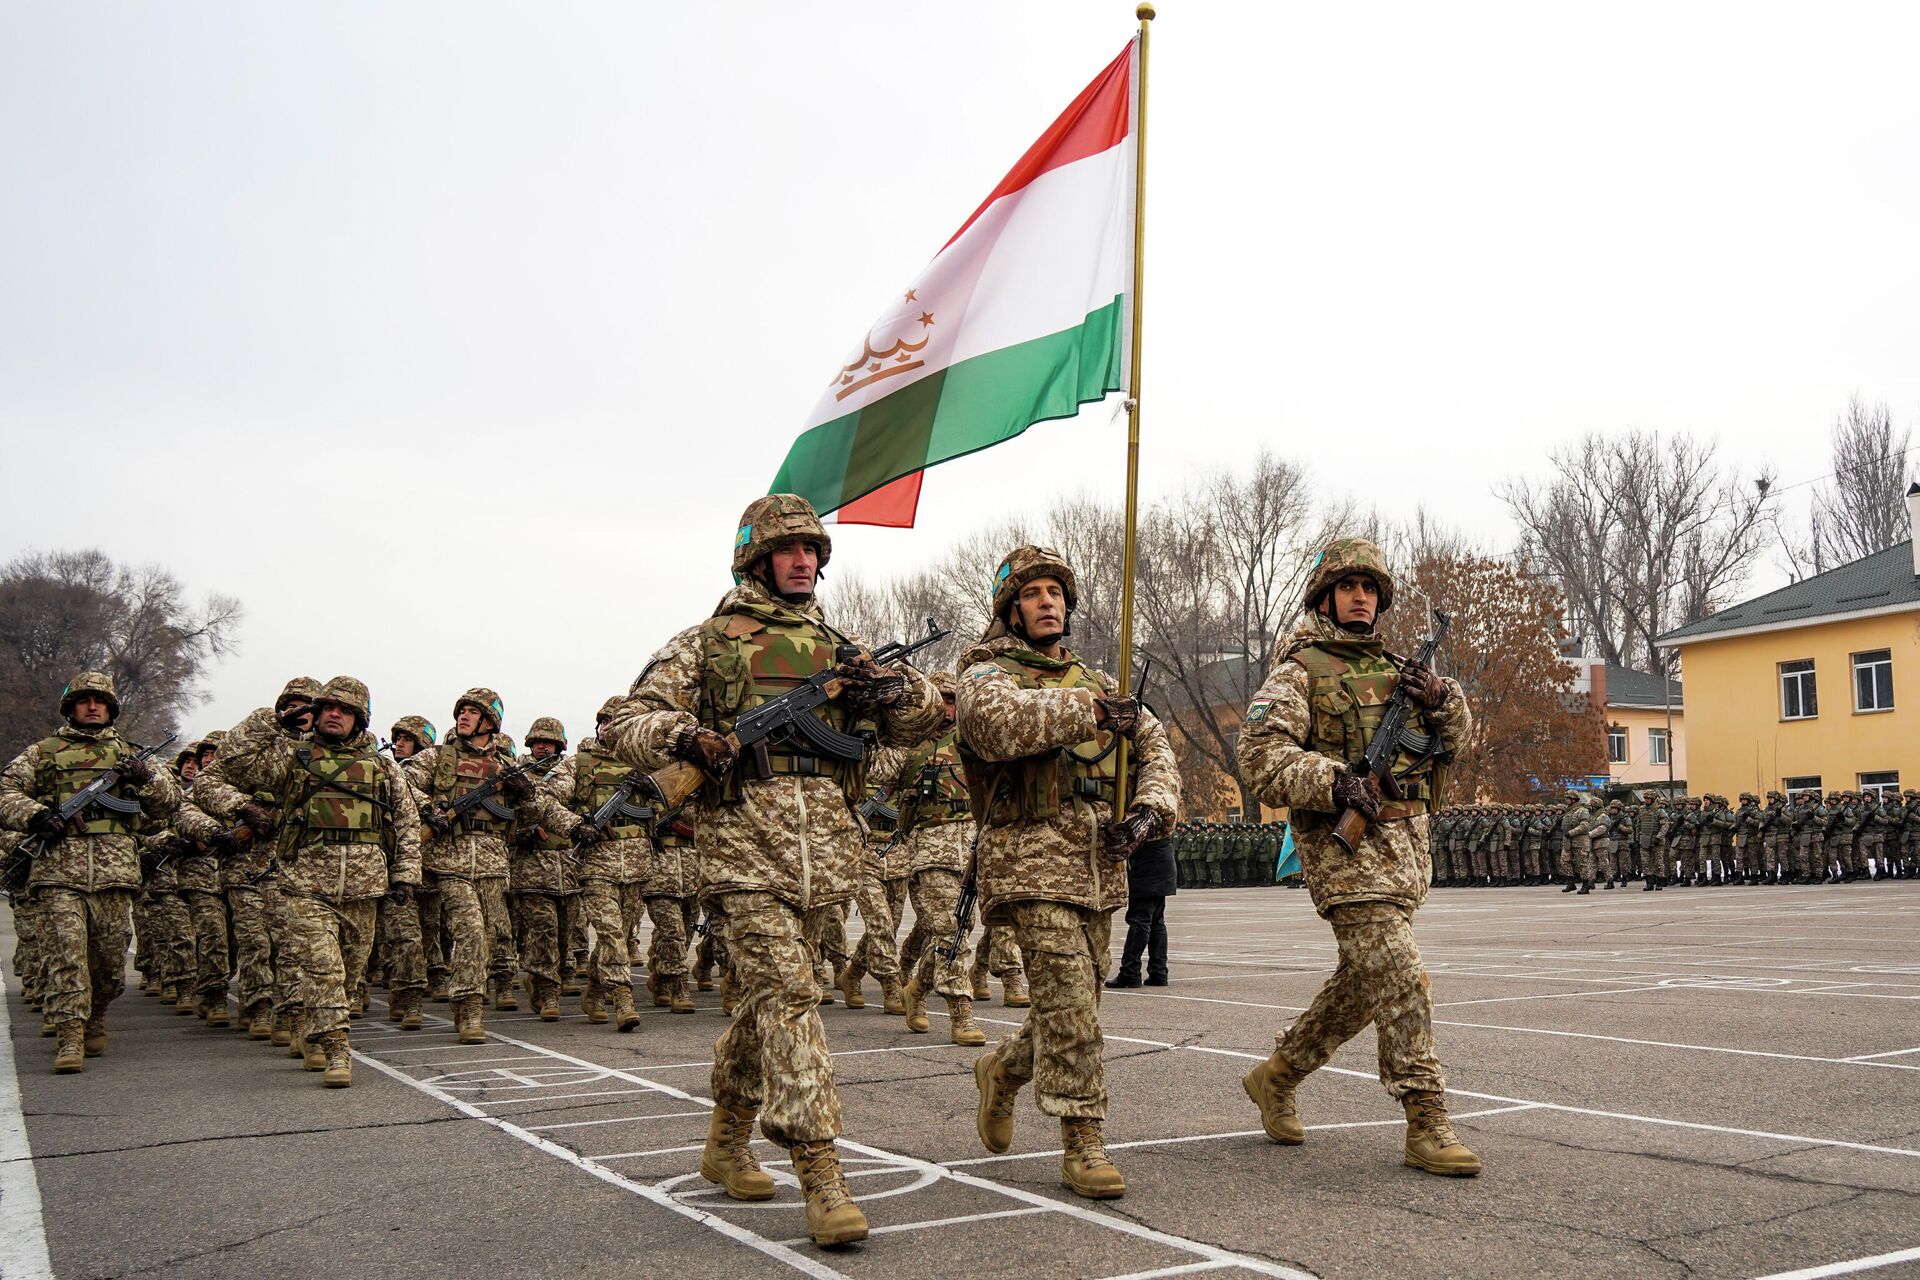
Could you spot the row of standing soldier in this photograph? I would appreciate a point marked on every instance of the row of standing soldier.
(1688, 841)
(1216, 855)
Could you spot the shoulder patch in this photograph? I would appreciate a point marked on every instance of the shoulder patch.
(1258, 711)
(740, 624)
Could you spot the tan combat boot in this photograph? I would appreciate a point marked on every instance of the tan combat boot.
(504, 1001)
(682, 998)
(411, 1016)
(625, 1016)
(593, 1003)
(69, 1046)
(893, 995)
(1013, 989)
(662, 996)
(168, 994)
(993, 1119)
(186, 1004)
(468, 1027)
(260, 1020)
(357, 1006)
(316, 1052)
(546, 999)
(916, 1006)
(95, 1038)
(981, 989)
(282, 1033)
(832, 1216)
(728, 1159)
(437, 991)
(703, 976)
(336, 1059)
(217, 1008)
(849, 984)
(1271, 1086)
(396, 1006)
(960, 1024)
(46, 1026)
(570, 985)
(1084, 1167)
(297, 1046)
(729, 994)
(823, 979)
(1431, 1143)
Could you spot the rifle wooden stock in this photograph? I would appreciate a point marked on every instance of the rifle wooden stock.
(1349, 829)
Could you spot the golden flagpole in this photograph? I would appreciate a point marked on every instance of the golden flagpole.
(1144, 13)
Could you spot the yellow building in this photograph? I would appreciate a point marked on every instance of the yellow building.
(1646, 727)
(1814, 686)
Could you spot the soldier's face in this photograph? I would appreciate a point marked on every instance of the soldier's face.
(335, 721)
(1356, 598)
(794, 567)
(188, 768)
(404, 744)
(542, 749)
(1042, 604)
(90, 709)
(467, 722)
(206, 757)
(946, 702)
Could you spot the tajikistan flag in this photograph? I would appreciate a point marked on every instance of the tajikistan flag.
(1024, 315)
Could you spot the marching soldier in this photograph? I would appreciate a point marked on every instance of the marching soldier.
(542, 876)
(1044, 737)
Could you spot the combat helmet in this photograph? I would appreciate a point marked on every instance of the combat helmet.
(487, 701)
(299, 687)
(1342, 557)
(943, 681)
(608, 709)
(547, 729)
(418, 727)
(345, 691)
(1023, 565)
(98, 683)
(767, 522)
(189, 752)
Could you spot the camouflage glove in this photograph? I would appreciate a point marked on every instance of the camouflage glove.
(400, 894)
(436, 820)
(1119, 840)
(46, 824)
(710, 750)
(517, 788)
(587, 834)
(257, 817)
(290, 718)
(227, 843)
(1357, 792)
(1116, 714)
(1426, 689)
(178, 847)
(870, 687)
(136, 771)
(149, 863)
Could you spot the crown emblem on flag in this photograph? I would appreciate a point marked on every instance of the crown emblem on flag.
(878, 363)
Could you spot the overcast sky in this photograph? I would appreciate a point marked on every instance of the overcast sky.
(453, 338)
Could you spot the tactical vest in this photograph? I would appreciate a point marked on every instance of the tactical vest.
(457, 770)
(1034, 788)
(937, 780)
(69, 766)
(597, 775)
(753, 655)
(340, 793)
(1348, 693)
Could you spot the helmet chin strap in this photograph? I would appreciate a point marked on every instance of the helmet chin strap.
(765, 579)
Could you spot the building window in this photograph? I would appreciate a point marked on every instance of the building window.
(1656, 746)
(1873, 680)
(1884, 784)
(1616, 744)
(1794, 786)
(1797, 700)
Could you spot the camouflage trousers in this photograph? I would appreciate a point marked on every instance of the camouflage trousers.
(172, 923)
(614, 910)
(1773, 854)
(536, 918)
(573, 934)
(1530, 857)
(773, 1058)
(29, 946)
(936, 899)
(1580, 862)
(879, 901)
(329, 941)
(1838, 853)
(286, 964)
(86, 936)
(673, 919)
(825, 929)
(998, 953)
(1379, 979)
(252, 945)
(1059, 1047)
(433, 930)
(712, 952)
(142, 933)
(1603, 862)
(213, 956)
(475, 913)
(404, 959)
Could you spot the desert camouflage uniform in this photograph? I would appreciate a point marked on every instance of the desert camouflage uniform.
(544, 876)
(939, 840)
(671, 889)
(612, 872)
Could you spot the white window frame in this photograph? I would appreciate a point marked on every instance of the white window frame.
(1806, 690)
(1890, 786)
(1875, 659)
(1616, 733)
(1795, 786)
(1657, 744)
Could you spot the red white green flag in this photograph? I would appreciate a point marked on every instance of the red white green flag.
(1024, 315)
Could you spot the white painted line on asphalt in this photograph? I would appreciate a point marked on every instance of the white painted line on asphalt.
(1558, 995)
(1877, 1261)
(773, 1249)
(23, 1235)
(588, 1124)
(1869, 1057)
(958, 1221)
(1185, 1269)
(662, 1151)
(1865, 1060)
(557, 1097)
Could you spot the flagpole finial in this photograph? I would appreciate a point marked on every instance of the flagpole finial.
(1144, 13)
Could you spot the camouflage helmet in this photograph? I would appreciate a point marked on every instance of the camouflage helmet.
(416, 727)
(345, 691)
(1649, 797)
(214, 738)
(98, 683)
(1746, 796)
(767, 522)
(943, 681)
(608, 709)
(299, 687)
(189, 752)
(547, 729)
(507, 744)
(1023, 565)
(1342, 557)
(488, 703)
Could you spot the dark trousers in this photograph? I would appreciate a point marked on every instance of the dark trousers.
(1146, 933)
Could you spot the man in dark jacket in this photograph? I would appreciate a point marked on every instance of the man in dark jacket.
(1150, 882)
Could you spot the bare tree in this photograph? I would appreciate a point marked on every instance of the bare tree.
(68, 611)
(1863, 507)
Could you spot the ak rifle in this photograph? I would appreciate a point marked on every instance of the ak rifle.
(98, 792)
(1392, 737)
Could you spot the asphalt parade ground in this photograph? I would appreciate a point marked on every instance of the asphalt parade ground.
(1701, 1083)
